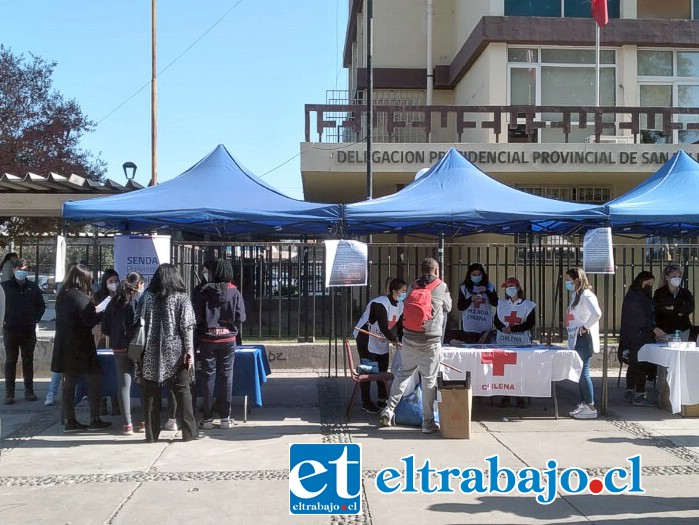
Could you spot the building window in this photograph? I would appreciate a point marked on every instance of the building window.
(559, 77)
(582, 194)
(668, 79)
(557, 8)
(677, 9)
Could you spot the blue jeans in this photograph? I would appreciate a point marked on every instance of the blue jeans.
(55, 384)
(583, 346)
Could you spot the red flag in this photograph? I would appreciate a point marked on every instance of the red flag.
(599, 12)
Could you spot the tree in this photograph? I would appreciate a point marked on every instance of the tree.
(40, 130)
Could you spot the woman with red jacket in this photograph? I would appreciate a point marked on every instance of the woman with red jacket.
(219, 310)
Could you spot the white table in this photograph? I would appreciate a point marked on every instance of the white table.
(528, 371)
(682, 372)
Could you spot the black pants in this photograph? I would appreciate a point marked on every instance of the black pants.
(180, 386)
(217, 374)
(94, 394)
(638, 372)
(16, 343)
(382, 360)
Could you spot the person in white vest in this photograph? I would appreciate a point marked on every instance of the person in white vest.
(477, 297)
(381, 316)
(514, 317)
(582, 323)
(514, 321)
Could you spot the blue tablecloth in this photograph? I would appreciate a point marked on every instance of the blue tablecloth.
(250, 371)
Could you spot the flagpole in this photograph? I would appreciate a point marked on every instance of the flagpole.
(597, 66)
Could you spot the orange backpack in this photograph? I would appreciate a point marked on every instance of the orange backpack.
(417, 307)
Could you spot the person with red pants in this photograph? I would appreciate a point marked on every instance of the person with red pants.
(219, 311)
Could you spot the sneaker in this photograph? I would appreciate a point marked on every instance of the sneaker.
(141, 427)
(577, 409)
(127, 430)
(585, 412)
(206, 424)
(74, 426)
(629, 395)
(227, 423)
(429, 427)
(29, 395)
(50, 399)
(382, 403)
(98, 424)
(170, 424)
(643, 401)
(370, 407)
(386, 420)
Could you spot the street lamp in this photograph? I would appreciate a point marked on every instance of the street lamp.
(129, 170)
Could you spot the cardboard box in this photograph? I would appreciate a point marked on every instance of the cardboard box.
(688, 410)
(455, 413)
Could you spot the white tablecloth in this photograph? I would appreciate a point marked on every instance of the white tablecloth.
(514, 370)
(682, 372)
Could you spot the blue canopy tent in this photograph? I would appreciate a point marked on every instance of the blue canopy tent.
(216, 195)
(456, 198)
(665, 203)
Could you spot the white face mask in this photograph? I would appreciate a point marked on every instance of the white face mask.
(205, 275)
(112, 287)
(675, 281)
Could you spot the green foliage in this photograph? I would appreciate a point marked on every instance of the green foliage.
(40, 131)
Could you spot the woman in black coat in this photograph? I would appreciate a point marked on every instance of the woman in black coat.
(673, 304)
(74, 352)
(119, 324)
(637, 329)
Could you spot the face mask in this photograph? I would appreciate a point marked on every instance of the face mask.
(205, 276)
(402, 296)
(511, 291)
(570, 286)
(476, 279)
(112, 287)
(648, 290)
(21, 275)
(675, 281)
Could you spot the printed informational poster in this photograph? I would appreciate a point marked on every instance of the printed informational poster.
(346, 263)
(140, 253)
(598, 256)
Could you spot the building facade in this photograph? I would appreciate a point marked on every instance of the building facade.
(512, 85)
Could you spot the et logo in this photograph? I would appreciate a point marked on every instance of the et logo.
(325, 478)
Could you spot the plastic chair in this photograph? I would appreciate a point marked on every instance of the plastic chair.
(624, 360)
(358, 379)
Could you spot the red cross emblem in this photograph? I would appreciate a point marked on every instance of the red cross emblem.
(512, 319)
(570, 317)
(499, 358)
(392, 322)
(477, 300)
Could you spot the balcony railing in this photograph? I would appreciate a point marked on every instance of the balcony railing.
(405, 123)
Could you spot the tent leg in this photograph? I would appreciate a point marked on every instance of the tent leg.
(605, 357)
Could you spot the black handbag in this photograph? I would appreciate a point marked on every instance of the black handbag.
(138, 341)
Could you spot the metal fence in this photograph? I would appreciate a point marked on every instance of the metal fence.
(285, 296)
(283, 283)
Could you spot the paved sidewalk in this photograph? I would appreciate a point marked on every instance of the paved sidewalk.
(241, 475)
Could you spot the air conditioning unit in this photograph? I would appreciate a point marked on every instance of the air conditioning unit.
(610, 139)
